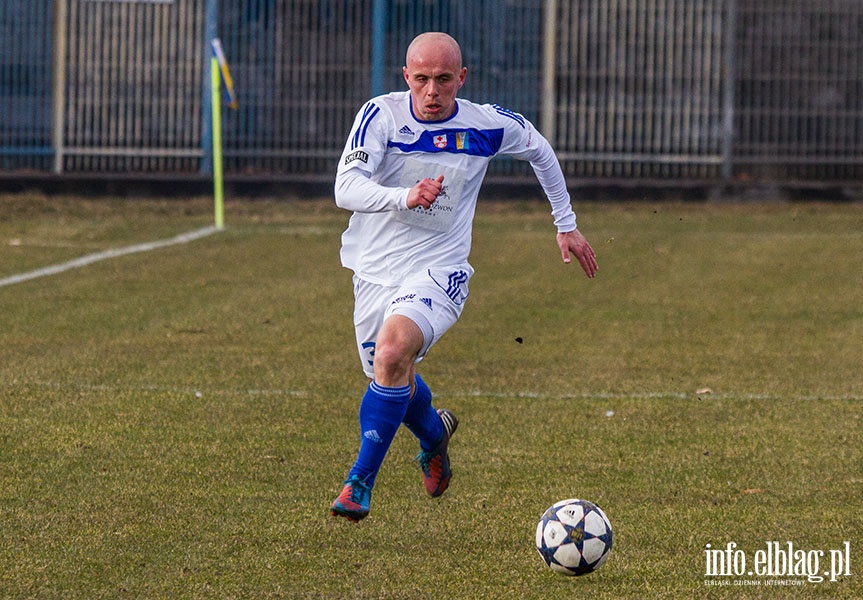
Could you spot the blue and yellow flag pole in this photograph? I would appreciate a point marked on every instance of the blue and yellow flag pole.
(219, 72)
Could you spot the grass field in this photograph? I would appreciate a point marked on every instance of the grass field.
(175, 423)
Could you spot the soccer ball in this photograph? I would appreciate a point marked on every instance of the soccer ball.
(574, 537)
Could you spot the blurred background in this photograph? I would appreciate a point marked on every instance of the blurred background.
(630, 92)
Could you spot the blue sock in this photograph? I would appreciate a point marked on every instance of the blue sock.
(421, 417)
(381, 412)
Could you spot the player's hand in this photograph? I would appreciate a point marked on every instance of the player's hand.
(573, 241)
(425, 192)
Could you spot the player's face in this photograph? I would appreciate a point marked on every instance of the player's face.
(434, 75)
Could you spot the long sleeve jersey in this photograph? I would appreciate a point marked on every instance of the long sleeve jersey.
(389, 150)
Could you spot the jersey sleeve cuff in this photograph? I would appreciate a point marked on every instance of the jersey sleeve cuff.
(566, 223)
(402, 202)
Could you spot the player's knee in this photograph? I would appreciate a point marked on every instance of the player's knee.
(392, 362)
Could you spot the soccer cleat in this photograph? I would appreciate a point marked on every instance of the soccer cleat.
(353, 502)
(435, 463)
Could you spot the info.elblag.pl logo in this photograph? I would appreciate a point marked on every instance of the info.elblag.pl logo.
(781, 564)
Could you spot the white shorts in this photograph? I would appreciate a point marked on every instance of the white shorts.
(433, 299)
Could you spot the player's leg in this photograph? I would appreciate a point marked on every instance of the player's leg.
(381, 412)
(434, 301)
(393, 349)
(386, 399)
(397, 347)
(433, 428)
(399, 344)
(421, 418)
(414, 317)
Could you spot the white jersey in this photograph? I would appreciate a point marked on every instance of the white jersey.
(389, 150)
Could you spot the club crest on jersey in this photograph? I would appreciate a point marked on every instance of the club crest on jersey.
(440, 141)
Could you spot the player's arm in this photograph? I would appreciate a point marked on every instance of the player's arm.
(365, 149)
(569, 239)
(544, 161)
(355, 191)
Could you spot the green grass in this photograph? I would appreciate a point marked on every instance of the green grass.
(174, 424)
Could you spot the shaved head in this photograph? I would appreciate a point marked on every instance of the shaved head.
(439, 43)
(434, 74)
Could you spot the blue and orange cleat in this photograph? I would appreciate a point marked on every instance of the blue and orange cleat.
(353, 503)
(435, 463)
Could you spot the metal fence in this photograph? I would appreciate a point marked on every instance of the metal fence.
(640, 88)
(132, 98)
(25, 85)
(798, 88)
(626, 89)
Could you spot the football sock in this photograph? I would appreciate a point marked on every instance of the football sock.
(381, 412)
(421, 417)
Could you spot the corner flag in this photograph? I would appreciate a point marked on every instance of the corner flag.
(219, 55)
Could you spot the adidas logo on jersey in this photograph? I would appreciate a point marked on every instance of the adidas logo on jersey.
(427, 302)
(406, 130)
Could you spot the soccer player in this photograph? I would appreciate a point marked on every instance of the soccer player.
(411, 172)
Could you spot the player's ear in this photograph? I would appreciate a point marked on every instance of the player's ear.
(406, 76)
(462, 74)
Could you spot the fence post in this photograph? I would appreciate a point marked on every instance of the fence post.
(58, 77)
(728, 92)
(378, 43)
(548, 108)
(211, 19)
